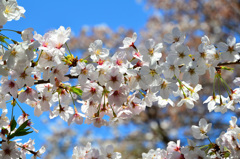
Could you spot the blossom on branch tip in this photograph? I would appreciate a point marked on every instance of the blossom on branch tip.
(129, 42)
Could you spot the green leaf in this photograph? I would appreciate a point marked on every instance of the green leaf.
(22, 126)
(22, 133)
(13, 124)
(76, 90)
(20, 130)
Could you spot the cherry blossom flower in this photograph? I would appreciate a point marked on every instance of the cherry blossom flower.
(9, 151)
(97, 51)
(129, 42)
(109, 153)
(59, 72)
(151, 74)
(192, 151)
(23, 76)
(152, 53)
(166, 88)
(84, 71)
(188, 101)
(136, 81)
(219, 104)
(76, 118)
(3, 98)
(39, 153)
(15, 55)
(164, 102)
(114, 78)
(36, 105)
(27, 34)
(11, 87)
(170, 68)
(64, 111)
(231, 50)
(29, 93)
(93, 154)
(118, 97)
(173, 150)
(4, 121)
(181, 54)
(22, 118)
(200, 132)
(10, 10)
(155, 154)
(135, 104)
(175, 37)
(119, 60)
(92, 91)
(57, 40)
(81, 152)
(46, 100)
(26, 147)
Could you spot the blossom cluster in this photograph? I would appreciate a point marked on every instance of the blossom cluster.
(118, 85)
(226, 146)
(16, 149)
(10, 10)
(88, 152)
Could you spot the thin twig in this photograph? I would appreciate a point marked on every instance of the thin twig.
(229, 63)
(48, 81)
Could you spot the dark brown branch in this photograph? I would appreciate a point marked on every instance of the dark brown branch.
(74, 77)
(229, 63)
(48, 81)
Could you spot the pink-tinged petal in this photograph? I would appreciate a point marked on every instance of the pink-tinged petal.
(202, 122)
(70, 120)
(134, 37)
(231, 41)
(222, 46)
(209, 127)
(168, 38)
(22, 97)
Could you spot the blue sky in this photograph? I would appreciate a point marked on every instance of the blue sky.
(45, 15)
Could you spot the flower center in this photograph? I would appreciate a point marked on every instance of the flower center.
(100, 61)
(203, 55)
(7, 151)
(172, 67)
(231, 49)
(13, 52)
(59, 46)
(7, 10)
(114, 79)
(11, 84)
(84, 71)
(119, 62)
(116, 93)
(150, 52)
(98, 52)
(93, 90)
(23, 75)
(181, 55)
(202, 131)
(191, 71)
(152, 72)
(163, 85)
